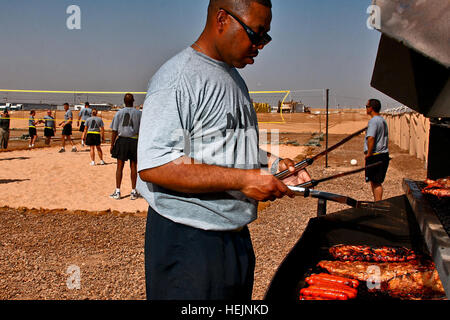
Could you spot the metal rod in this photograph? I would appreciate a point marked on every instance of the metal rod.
(314, 183)
(309, 161)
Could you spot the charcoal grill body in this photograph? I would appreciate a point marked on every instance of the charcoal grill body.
(398, 227)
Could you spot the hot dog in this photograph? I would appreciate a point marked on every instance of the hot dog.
(350, 292)
(324, 282)
(336, 279)
(323, 293)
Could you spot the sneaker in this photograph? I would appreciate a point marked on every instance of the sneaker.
(134, 195)
(62, 150)
(74, 149)
(29, 146)
(115, 195)
(102, 163)
(92, 163)
(82, 143)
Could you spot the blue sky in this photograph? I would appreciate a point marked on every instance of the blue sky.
(316, 44)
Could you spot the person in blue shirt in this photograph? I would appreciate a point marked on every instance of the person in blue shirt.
(376, 148)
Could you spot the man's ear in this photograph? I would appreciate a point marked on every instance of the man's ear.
(221, 20)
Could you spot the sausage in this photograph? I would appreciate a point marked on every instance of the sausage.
(312, 298)
(325, 282)
(340, 289)
(351, 292)
(336, 279)
(323, 293)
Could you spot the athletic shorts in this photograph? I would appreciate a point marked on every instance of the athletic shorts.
(185, 263)
(82, 126)
(49, 132)
(377, 174)
(67, 130)
(93, 139)
(125, 149)
(32, 132)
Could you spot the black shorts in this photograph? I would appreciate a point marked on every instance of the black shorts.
(82, 126)
(32, 132)
(67, 130)
(185, 263)
(377, 174)
(125, 149)
(49, 132)
(93, 139)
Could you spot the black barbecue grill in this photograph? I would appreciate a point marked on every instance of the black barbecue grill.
(412, 66)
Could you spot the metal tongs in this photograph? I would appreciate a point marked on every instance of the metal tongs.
(309, 161)
(304, 188)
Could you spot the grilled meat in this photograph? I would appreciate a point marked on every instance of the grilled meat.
(363, 270)
(376, 254)
(439, 188)
(416, 285)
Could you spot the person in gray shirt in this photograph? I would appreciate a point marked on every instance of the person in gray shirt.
(124, 141)
(199, 164)
(94, 135)
(83, 115)
(67, 129)
(49, 126)
(376, 148)
(5, 122)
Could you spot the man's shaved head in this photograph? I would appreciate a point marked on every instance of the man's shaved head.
(128, 99)
(237, 6)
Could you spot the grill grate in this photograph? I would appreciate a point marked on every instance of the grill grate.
(441, 207)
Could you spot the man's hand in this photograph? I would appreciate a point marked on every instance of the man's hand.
(295, 179)
(262, 186)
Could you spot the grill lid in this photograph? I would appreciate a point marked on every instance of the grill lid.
(413, 60)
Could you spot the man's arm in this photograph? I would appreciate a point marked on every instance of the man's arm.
(113, 139)
(102, 133)
(184, 175)
(370, 146)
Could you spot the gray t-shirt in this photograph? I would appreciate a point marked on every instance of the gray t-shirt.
(85, 113)
(68, 116)
(127, 122)
(378, 129)
(49, 122)
(93, 124)
(200, 108)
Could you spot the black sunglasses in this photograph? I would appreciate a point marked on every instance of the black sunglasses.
(255, 38)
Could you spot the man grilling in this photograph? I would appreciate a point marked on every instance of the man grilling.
(199, 162)
(376, 148)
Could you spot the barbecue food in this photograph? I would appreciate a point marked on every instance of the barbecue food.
(325, 286)
(416, 285)
(376, 254)
(324, 293)
(325, 277)
(363, 270)
(439, 187)
(412, 279)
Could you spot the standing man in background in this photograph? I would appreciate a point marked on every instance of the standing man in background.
(5, 121)
(124, 143)
(84, 114)
(94, 135)
(376, 148)
(32, 129)
(49, 126)
(67, 129)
